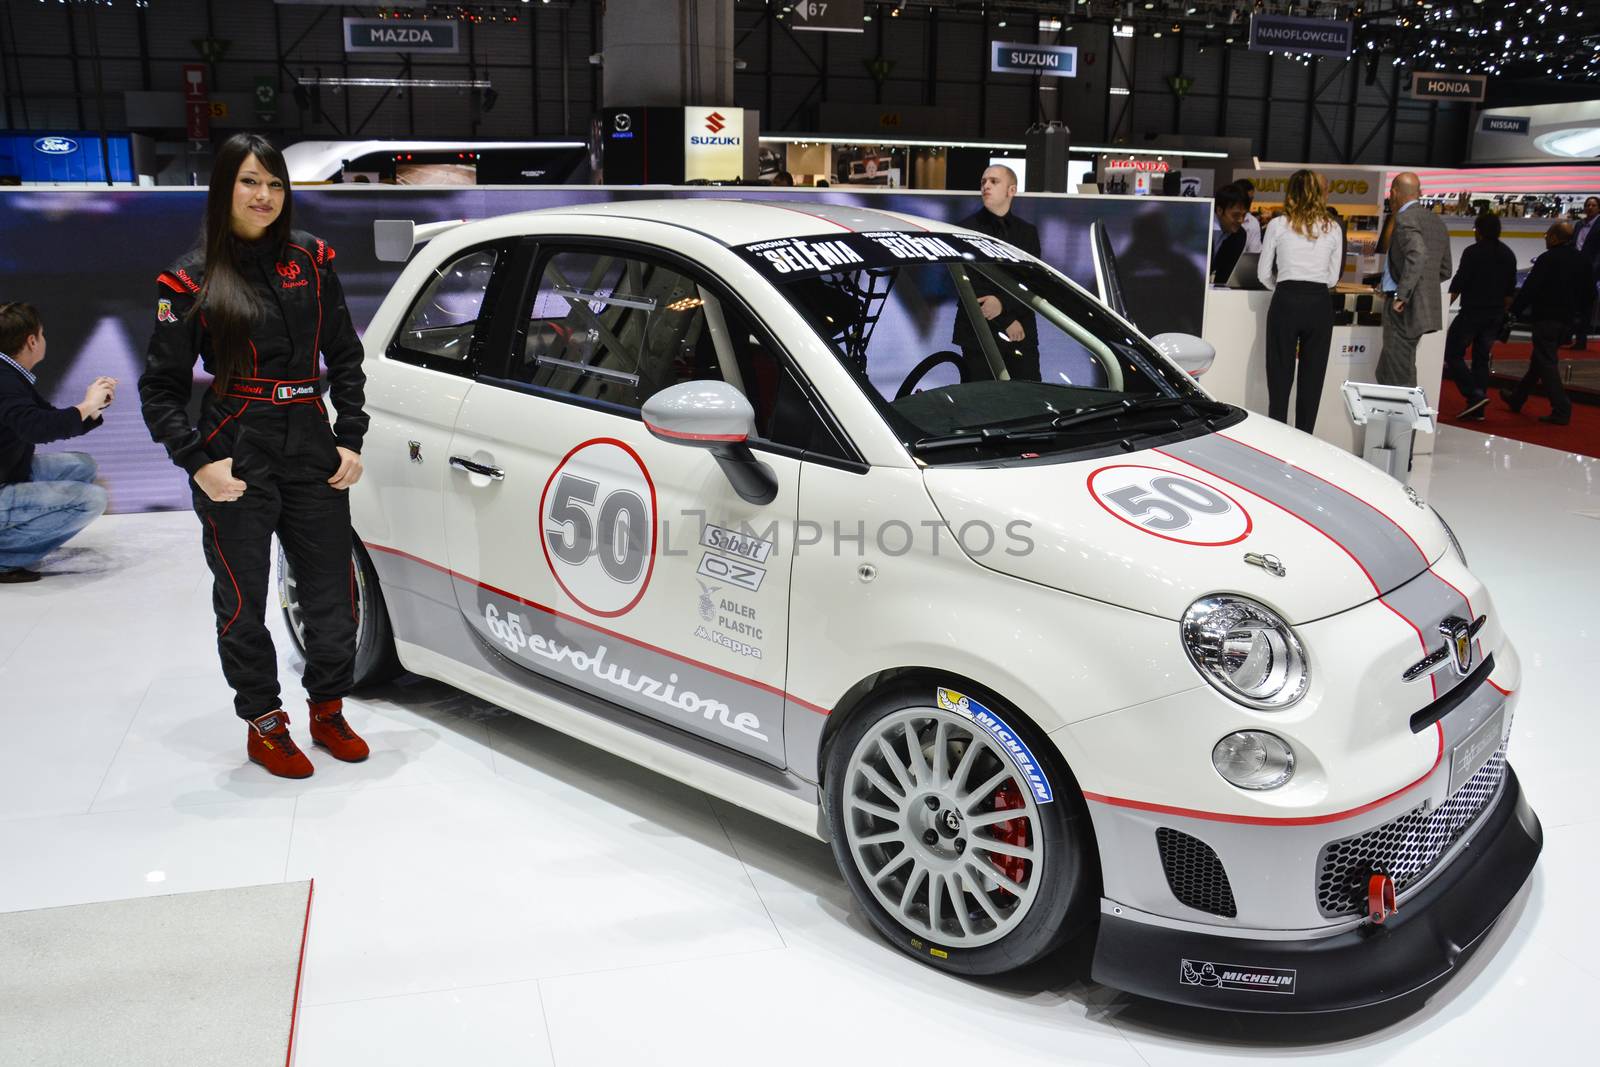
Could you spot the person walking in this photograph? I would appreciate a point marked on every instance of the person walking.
(1559, 288)
(1418, 260)
(1016, 329)
(1483, 283)
(1301, 259)
(257, 303)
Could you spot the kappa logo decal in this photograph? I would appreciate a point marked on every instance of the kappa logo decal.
(164, 312)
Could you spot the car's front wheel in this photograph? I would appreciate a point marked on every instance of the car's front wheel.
(962, 835)
(376, 661)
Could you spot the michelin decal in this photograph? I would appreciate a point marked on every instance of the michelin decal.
(994, 726)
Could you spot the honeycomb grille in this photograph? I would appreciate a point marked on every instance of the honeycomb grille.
(1195, 873)
(1405, 848)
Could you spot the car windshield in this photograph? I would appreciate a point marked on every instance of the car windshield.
(973, 351)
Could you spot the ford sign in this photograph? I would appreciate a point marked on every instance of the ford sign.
(55, 146)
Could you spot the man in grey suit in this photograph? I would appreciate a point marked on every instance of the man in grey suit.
(1418, 261)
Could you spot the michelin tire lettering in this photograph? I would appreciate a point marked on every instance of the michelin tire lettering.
(996, 727)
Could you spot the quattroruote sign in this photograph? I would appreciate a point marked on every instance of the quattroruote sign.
(1046, 60)
(1281, 33)
(401, 35)
(1438, 85)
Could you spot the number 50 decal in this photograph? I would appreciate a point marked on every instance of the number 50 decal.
(597, 522)
(1172, 506)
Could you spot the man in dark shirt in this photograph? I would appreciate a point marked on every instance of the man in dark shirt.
(1483, 283)
(1559, 288)
(1013, 323)
(1229, 208)
(1586, 239)
(44, 500)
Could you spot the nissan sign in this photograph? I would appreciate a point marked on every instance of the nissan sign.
(1437, 85)
(1505, 124)
(55, 146)
(1045, 60)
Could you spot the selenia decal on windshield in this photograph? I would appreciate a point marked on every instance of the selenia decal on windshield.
(995, 726)
(808, 257)
(598, 521)
(1171, 506)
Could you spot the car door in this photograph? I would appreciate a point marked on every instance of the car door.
(590, 552)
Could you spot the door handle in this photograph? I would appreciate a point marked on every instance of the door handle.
(471, 467)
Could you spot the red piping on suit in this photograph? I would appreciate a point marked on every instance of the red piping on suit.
(238, 601)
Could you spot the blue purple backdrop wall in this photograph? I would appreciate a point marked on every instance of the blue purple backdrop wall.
(88, 260)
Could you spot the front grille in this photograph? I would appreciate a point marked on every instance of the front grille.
(1195, 873)
(1405, 848)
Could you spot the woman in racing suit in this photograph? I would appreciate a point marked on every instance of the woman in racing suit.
(257, 303)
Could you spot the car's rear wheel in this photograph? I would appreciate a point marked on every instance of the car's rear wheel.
(376, 661)
(964, 849)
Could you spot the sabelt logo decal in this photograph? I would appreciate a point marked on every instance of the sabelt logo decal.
(1210, 975)
(994, 726)
(715, 122)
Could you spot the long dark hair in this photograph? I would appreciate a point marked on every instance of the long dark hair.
(230, 308)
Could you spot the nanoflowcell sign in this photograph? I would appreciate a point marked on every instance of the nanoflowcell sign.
(1437, 85)
(401, 35)
(1046, 60)
(1280, 33)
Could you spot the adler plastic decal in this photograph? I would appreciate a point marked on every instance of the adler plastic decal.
(995, 726)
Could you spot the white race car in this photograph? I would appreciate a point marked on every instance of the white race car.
(886, 530)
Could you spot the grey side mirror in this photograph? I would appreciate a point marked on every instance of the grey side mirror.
(1187, 351)
(717, 417)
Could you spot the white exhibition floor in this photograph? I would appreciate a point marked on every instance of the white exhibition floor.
(489, 892)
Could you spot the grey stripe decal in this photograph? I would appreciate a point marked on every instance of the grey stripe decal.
(854, 218)
(1426, 601)
(1380, 547)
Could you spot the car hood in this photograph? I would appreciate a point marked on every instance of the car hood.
(1157, 529)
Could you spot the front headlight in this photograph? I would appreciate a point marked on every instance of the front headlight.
(1252, 759)
(1455, 542)
(1245, 651)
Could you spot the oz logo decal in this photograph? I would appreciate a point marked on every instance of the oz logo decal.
(597, 518)
(1171, 506)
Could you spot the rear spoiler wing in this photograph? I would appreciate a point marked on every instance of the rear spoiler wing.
(395, 239)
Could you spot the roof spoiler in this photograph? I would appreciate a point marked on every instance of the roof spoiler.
(395, 239)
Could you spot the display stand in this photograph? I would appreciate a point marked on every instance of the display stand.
(1391, 414)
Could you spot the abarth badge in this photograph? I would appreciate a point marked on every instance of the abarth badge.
(1458, 635)
(1271, 564)
(416, 451)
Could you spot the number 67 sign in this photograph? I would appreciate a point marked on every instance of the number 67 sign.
(1171, 506)
(597, 521)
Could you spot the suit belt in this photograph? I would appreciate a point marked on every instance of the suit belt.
(275, 390)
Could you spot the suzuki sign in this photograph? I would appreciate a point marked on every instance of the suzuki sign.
(713, 143)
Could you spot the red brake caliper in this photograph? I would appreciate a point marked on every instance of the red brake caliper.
(1012, 832)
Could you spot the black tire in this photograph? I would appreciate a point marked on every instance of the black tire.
(1063, 902)
(376, 659)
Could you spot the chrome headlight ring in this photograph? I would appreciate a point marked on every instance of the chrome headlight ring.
(1246, 651)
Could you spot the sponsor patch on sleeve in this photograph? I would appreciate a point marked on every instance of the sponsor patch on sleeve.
(164, 311)
(992, 724)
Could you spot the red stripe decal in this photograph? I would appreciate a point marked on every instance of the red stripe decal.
(238, 601)
(586, 624)
(299, 972)
(821, 218)
(1258, 820)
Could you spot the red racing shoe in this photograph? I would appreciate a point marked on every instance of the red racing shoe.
(329, 730)
(271, 746)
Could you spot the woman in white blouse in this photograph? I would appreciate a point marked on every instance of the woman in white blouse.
(1301, 259)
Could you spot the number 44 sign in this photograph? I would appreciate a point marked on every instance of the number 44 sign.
(1172, 506)
(597, 518)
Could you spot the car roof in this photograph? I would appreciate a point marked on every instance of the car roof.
(741, 222)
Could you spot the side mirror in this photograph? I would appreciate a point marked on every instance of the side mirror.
(714, 416)
(1189, 352)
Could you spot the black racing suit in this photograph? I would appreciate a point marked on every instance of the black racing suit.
(274, 426)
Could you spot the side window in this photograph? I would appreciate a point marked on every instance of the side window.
(438, 330)
(615, 328)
